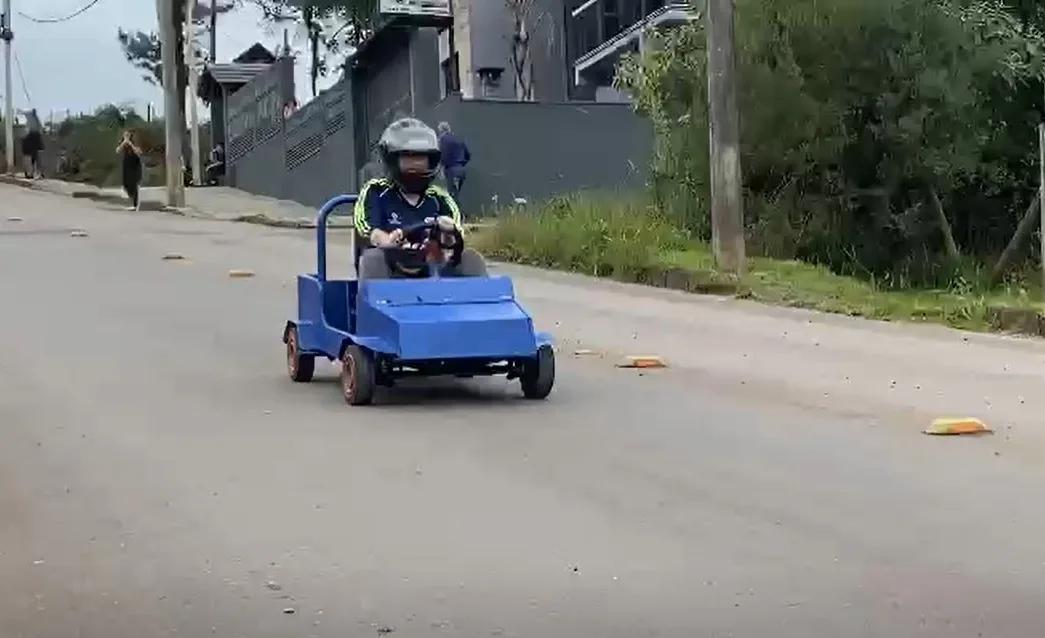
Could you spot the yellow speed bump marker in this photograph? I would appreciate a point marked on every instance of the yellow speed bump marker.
(956, 426)
(642, 361)
(78, 233)
(174, 257)
(241, 274)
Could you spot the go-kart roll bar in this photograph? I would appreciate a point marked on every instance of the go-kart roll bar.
(321, 230)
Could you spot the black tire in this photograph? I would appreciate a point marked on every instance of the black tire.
(358, 380)
(300, 367)
(538, 375)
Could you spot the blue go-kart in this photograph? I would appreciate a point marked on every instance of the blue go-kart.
(417, 323)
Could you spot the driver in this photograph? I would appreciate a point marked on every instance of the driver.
(409, 151)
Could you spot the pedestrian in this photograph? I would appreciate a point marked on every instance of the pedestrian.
(216, 166)
(32, 144)
(131, 168)
(455, 158)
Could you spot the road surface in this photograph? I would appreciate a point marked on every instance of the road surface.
(160, 476)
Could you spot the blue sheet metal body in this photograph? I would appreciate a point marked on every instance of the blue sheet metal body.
(411, 320)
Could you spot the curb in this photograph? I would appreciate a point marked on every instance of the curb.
(260, 219)
(670, 278)
(108, 198)
(85, 193)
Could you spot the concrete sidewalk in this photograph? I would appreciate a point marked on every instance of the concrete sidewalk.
(211, 202)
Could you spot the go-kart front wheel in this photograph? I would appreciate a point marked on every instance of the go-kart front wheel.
(538, 374)
(358, 378)
(300, 367)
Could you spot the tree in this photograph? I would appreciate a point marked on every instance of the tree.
(526, 21)
(142, 49)
(879, 138)
(330, 27)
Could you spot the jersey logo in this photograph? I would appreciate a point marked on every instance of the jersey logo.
(393, 219)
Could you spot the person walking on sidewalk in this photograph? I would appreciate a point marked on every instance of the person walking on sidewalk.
(131, 168)
(32, 144)
(455, 156)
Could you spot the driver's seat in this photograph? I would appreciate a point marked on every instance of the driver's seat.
(360, 244)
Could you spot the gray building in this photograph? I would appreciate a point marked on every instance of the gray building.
(572, 132)
(574, 49)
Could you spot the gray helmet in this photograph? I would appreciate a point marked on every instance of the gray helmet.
(410, 135)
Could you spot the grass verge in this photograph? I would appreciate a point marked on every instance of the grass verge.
(629, 241)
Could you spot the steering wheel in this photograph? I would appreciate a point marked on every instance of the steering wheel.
(425, 247)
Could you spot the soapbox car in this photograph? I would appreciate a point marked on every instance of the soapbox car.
(417, 323)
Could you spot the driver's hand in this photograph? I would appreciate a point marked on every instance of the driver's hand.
(395, 237)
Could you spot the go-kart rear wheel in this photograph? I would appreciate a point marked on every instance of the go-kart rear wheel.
(300, 367)
(538, 374)
(358, 379)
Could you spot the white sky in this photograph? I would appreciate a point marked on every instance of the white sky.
(78, 65)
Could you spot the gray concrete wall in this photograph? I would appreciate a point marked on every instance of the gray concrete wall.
(539, 150)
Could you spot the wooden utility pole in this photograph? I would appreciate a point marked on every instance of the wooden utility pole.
(171, 108)
(727, 207)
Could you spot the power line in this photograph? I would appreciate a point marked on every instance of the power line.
(21, 78)
(72, 15)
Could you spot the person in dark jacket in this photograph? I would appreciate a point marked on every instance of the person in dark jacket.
(131, 168)
(32, 144)
(455, 156)
(216, 167)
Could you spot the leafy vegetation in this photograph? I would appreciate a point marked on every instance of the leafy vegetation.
(632, 240)
(889, 151)
(84, 146)
(891, 139)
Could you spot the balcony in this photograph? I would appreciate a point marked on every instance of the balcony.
(601, 34)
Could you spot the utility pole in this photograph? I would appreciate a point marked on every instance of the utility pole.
(727, 206)
(6, 34)
(190, 93)
(1041, 193)
(171, 108)
(213, 31)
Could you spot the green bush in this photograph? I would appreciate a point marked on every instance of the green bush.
(851, 113)
(591, 233)
(89, 143)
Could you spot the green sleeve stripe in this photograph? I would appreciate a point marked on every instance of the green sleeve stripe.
(455, 210)
(360, 212)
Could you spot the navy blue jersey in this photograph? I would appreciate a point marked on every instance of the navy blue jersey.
(381, 206)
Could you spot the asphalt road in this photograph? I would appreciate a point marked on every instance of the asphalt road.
(160, 476)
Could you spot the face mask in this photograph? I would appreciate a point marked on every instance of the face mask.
(415, 182)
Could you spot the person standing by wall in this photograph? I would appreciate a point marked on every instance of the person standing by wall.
(131, 168)
(455, 157)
